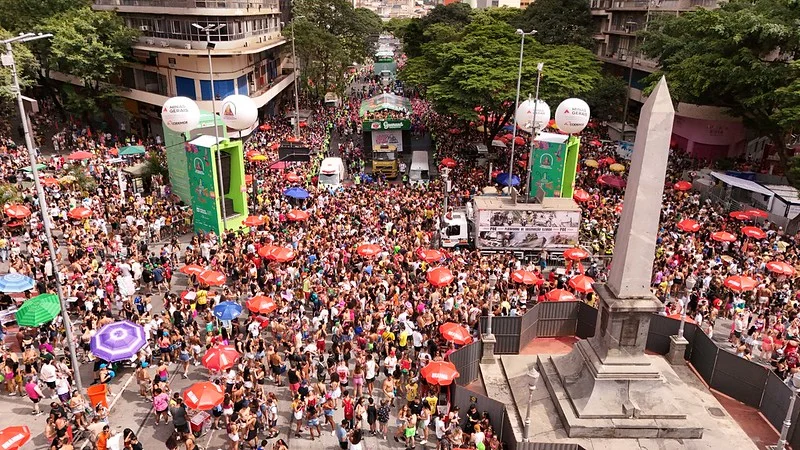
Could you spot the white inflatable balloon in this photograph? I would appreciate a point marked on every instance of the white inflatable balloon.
(525, 115)
(238, 112)
(572, 115)
(180, 114)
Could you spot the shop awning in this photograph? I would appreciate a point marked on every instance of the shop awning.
(741, 183)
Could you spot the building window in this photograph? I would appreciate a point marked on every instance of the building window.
(241, 84)
(185, 87)
(222, 89)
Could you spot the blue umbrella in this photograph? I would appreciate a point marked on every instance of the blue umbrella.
(296, 193)
(227, 311)
(15, 282)
(503, 179)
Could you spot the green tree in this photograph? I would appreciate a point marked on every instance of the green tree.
(475, 67)
(606, 98)
(735, 57)
(9, 194)
(27, 67)
(90, 45)
(414, 35)
(26, 16)
(565, 22)
(83, 181)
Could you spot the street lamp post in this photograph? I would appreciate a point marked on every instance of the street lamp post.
(444, 172)
(208, 29)
(632, 53)
(516, 103)
(296, 95)
(8, 60)
(794, 386)
(534, 130)
(533, 377)
(488, 340)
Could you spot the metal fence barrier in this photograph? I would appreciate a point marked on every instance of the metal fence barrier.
(467, 360)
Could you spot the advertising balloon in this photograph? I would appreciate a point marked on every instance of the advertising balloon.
(572, 115)
(180, 114)
(239, 112)
(525, 115)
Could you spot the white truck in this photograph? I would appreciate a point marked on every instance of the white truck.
(494, 223)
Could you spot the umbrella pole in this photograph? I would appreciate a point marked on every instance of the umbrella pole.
(45, 211)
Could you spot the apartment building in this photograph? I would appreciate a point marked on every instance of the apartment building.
(702, 130)
(171, 56)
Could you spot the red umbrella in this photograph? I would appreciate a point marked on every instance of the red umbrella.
(297, 215)
(449, 162)
(292, 177)
(429, 255)
(80, 156)
(581, 196)
(49, 181)
(192, 269)
(754, 232)
(281, 254)
(248, 179)
(455, 333)
(780, 268)
(368, 250)
(740, 283)
(79, 213)
(682, 186)
(253, 221)
(16, 211)
(524, 277)
(575, 254)
(519, 140)
(440, 276)
(265, 250)
(265, 127)
(261, 304)
(508, 136)
(596, 143)
(689, 225)
(440, 372)
(220, 357)
(581, 283)
(618, 209)
(678, 317)
(12, 438)
(723, 236)
(612, 181)
(203, 396)
(739, 215)
(559, 295)
(756, 213)
(212, 277)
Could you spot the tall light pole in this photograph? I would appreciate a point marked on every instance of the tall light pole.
(208, 29)
(632, 53)
(533, 377)
(296, 95)
(8, 60)
(488, 340)
(794, 386)
(534, 129)
(516, 103)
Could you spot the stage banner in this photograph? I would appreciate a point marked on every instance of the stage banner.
(514, 229)
(202, 182)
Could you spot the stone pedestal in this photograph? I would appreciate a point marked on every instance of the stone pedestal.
(677, 348)
(488, 342)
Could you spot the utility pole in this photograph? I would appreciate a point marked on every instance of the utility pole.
(632, 54)
(516, 104)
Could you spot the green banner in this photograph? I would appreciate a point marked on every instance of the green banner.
(393, 124)
(202, 179)
(548, 167)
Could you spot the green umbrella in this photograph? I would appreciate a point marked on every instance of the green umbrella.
(38, 167)
(131, 150)
(38, 310)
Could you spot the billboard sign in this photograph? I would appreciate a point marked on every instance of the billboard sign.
(377, 125)
(517, 229)
(547, 172)
(390, 138)
(202, 183)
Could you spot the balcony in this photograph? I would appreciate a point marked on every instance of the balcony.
(197, 7)
(621, 59)
(660, 5)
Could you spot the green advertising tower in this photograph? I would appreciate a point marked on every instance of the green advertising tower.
(555, 163)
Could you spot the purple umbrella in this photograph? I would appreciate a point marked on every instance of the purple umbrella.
(118, 341)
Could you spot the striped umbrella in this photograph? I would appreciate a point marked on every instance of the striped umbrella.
(38, 310)
(16, 282)
(118, 341)
(220, 357)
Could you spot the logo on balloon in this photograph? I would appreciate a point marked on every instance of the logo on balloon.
(572, 115)
(180, 114)
(239, 112)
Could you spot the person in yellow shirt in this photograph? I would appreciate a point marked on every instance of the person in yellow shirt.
(201, 299)
(402, 338)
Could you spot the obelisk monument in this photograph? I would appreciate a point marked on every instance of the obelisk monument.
(607, 386)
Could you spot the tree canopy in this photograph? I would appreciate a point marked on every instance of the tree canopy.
(471, 71)
(738, 57)
(565, 22)
(331, 36)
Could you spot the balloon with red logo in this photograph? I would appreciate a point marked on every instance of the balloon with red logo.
(572, 115)
(180, 114)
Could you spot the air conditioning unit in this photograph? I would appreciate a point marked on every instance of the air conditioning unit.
(164, 44)
(150, 41)
(144, 28)
(187, 46)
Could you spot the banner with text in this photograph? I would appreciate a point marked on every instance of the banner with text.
(517, 229)
(394, 138)
(393, 124)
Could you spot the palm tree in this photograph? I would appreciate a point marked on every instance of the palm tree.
(83, 181)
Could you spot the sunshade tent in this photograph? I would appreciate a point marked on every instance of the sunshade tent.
(440, 372)
(132, 150)
(38, 167)
(383, 102)
(16, 211)
(38, 310)
(203, 396)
